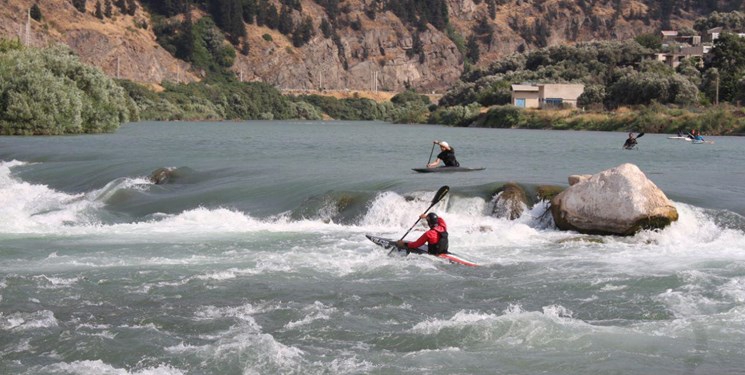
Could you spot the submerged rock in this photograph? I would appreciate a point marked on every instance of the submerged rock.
(161, 175)
(618, 201)
(548, 192)
(510, 202)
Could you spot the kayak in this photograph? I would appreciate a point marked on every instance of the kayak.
(681, 138)
(446, 169)
(701, 141)
(390, 244)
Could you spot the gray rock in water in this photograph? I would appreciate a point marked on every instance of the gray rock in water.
(161, 175)
(618, 201)
(510, 202)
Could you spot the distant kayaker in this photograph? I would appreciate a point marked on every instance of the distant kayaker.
(436, 237)
(446, 156)
(630, 142)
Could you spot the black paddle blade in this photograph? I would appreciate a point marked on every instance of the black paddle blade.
(441, 193)
(640, 135)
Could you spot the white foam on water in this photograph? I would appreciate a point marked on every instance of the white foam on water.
(99, 367)
(33, 208)
(351, 365)
(24, 321)
(317, 311)
(51, 282)
(123, 183)
(734, 289)
(461, 318)
(245, 340)
(243, 313)
(30, 208)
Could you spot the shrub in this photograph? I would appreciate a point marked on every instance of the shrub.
(507, 116)
(50, 92)
(455, 116)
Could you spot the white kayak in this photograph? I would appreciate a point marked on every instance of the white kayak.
(390, 244)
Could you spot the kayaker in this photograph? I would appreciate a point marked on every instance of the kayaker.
(436, 237)
(630, 142)
(446, 156)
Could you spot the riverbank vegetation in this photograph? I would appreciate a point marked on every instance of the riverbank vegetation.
(49, 91)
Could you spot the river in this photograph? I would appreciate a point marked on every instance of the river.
(252, 257)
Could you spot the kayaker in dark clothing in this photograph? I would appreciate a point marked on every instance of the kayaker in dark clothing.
(447, 156)
(436, 237)
(630, 142)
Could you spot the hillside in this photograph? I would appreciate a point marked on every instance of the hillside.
(373, 49)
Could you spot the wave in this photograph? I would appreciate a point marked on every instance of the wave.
(36, 208)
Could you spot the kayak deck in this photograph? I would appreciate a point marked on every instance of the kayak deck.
(390, 244)
(446, 169)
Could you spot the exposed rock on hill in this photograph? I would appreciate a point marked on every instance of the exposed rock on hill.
(120, 46)
(371, 53)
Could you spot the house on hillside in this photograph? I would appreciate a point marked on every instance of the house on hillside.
(679, 47)
(713, 34)
(546, 96)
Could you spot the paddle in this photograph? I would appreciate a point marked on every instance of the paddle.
(441, 193)
(430, 154)
(640, 135)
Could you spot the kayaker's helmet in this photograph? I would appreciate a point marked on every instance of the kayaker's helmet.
(432, 219)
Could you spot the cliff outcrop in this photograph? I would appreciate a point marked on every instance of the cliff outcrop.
(369, 54)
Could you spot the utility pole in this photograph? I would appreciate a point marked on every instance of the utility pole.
(28, 25)
(117, 67)
(716, 101)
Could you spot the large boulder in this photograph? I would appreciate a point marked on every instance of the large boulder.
(618, 201)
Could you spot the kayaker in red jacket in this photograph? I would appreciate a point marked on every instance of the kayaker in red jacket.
(436, 237)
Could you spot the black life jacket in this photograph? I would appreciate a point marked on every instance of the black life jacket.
(441, 247)
(448, 158)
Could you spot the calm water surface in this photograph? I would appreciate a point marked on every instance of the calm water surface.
(252, 258)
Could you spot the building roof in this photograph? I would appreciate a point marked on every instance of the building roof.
(524, 88)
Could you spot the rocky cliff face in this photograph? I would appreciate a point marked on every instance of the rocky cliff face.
(120, 46)
(373, 56)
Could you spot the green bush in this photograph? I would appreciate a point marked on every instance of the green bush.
(455, 116)
(410, 113)
(410, 96)
(50, 92)
(345, 109)
(507, 116)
